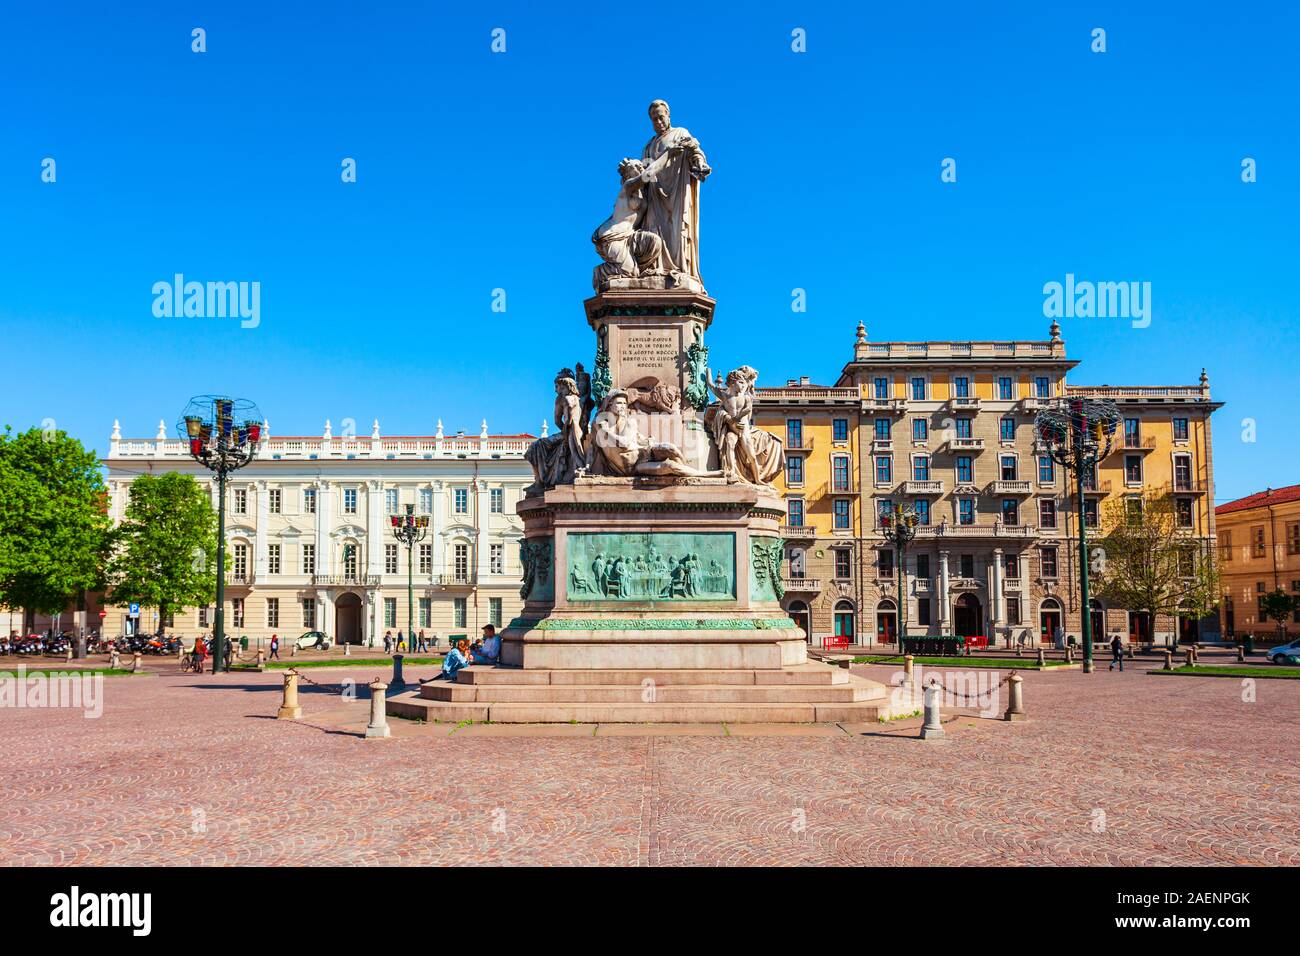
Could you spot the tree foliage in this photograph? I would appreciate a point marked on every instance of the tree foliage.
(54, 524)
(166, 547)
(1278, 605)
(1145, 562)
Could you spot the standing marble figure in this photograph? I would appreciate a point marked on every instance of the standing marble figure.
(672, 199)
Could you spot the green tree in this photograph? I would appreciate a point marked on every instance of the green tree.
(1277, 605)
(54, 524)
(166, 553)
(1143, 561)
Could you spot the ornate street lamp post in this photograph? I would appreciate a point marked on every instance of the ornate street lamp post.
(1078, 433)
(408, 529)
(222, 435)
(899, 527)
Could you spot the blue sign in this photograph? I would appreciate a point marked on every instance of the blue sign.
(133, 610)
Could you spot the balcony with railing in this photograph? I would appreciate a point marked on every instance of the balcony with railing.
(964, 402)
(798, 442)
(994, 530)
(1036, 403)
(798, 531)
(922, 488)
(1004, 487)
(1098, 489)
(965, 444)
(346, 579)
(882, 444)
(1184, 486)
(1142, 443)
(453, 579)
(801, 585)
(895, 406)
(1012, 585)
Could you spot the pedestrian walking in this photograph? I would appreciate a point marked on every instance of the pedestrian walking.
(388, 642)
(401, 642)
(1116, 653)
(275, 648)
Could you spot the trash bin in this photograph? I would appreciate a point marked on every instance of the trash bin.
(243, 644)
(1248, 644)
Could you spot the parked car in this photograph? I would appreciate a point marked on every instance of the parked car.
(1284, 653)
(312, 639)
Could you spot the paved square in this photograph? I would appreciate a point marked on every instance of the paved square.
(1111, 769)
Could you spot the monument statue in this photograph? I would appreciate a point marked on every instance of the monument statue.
(617, 447)
(747, 453)
(556, 458)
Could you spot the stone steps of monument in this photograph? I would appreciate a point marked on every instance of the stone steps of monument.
(411, 705)
(849, 692)
(812, 673)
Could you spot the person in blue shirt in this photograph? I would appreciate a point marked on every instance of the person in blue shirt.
(488, 651)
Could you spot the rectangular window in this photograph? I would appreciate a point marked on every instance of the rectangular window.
(350, 561)
(497, 558)
(1180, 429)
(1183, 510)
(390, 559)
(1182, 473)
(458, 612)
(843, 564)
(1042, 387)
(309, 559)
(796, 556)
(966, 511)
(1132, 433)
(923, 611)
(272, 559)
(494, 611)
(884, 510)
(273, 501)
(1009, 469)
(966, 565)
(1013, 610)
(460, 562)
(426, 559)
(1090, 513)
(794, 433)
(1293, 538)
(237, 612)
(204, 613)
(840, 474)
(1047, 559)
(794, 470)
(390, 612)
(309, 501)
(272, 612)
(885, 563)
(882, 429)
(923, 567)
(1046, 513)
(918, 389)
(426, 607)
(349, 501)
(1004, 388)
(921, 468)
(1010, 512)
(239, 570)
(498, 500)
(961, 387)
(1007, 428)
(963, 427)
(390, 501)
(461, 501)
(1225, 545)
(1046, 470)
(241, 501)
(1133, 469)
(840, 429)
(881, 388)
(920, 429)
(426, 501)
(1011, 564)
(843, 519)
(795, 509)
(309, 614)
(884, 469)
(965, 471)
(923, 513)
(1258, 545)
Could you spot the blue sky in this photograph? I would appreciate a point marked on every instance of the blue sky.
(479, 171)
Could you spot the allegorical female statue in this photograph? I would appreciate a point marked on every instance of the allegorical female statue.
(556, 458)
(746, 453)
(617, 447)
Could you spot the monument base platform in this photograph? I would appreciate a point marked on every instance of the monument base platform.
(805, 693)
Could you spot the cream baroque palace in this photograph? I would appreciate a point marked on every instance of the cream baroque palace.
(309, 541)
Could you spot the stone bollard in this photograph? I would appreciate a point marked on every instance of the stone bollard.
(1169, 659)
(932, 729)
(907, 669)
(68, 658)
(1196, 654)
(1018, 651)
(1241, 653)
(1191, 657)
(1042, 658)
(378, 726)
(398, 682)
(137, 665)
(293, 649)
(289, 706)
(114, 659)
(261, 657)
(1016, 701)
(1128, 651)
(347, 650)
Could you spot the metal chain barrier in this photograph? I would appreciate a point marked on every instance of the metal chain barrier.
(935, 682)
(339, 689)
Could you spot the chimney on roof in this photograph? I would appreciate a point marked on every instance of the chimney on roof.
(803, 379)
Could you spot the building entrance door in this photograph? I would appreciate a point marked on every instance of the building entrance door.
(348, 615)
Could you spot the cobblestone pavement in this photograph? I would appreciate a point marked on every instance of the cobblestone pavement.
(1110, 769)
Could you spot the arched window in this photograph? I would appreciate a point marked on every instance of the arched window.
(845, 620)
(798, 611)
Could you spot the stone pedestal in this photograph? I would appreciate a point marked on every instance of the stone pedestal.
(645, 573)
